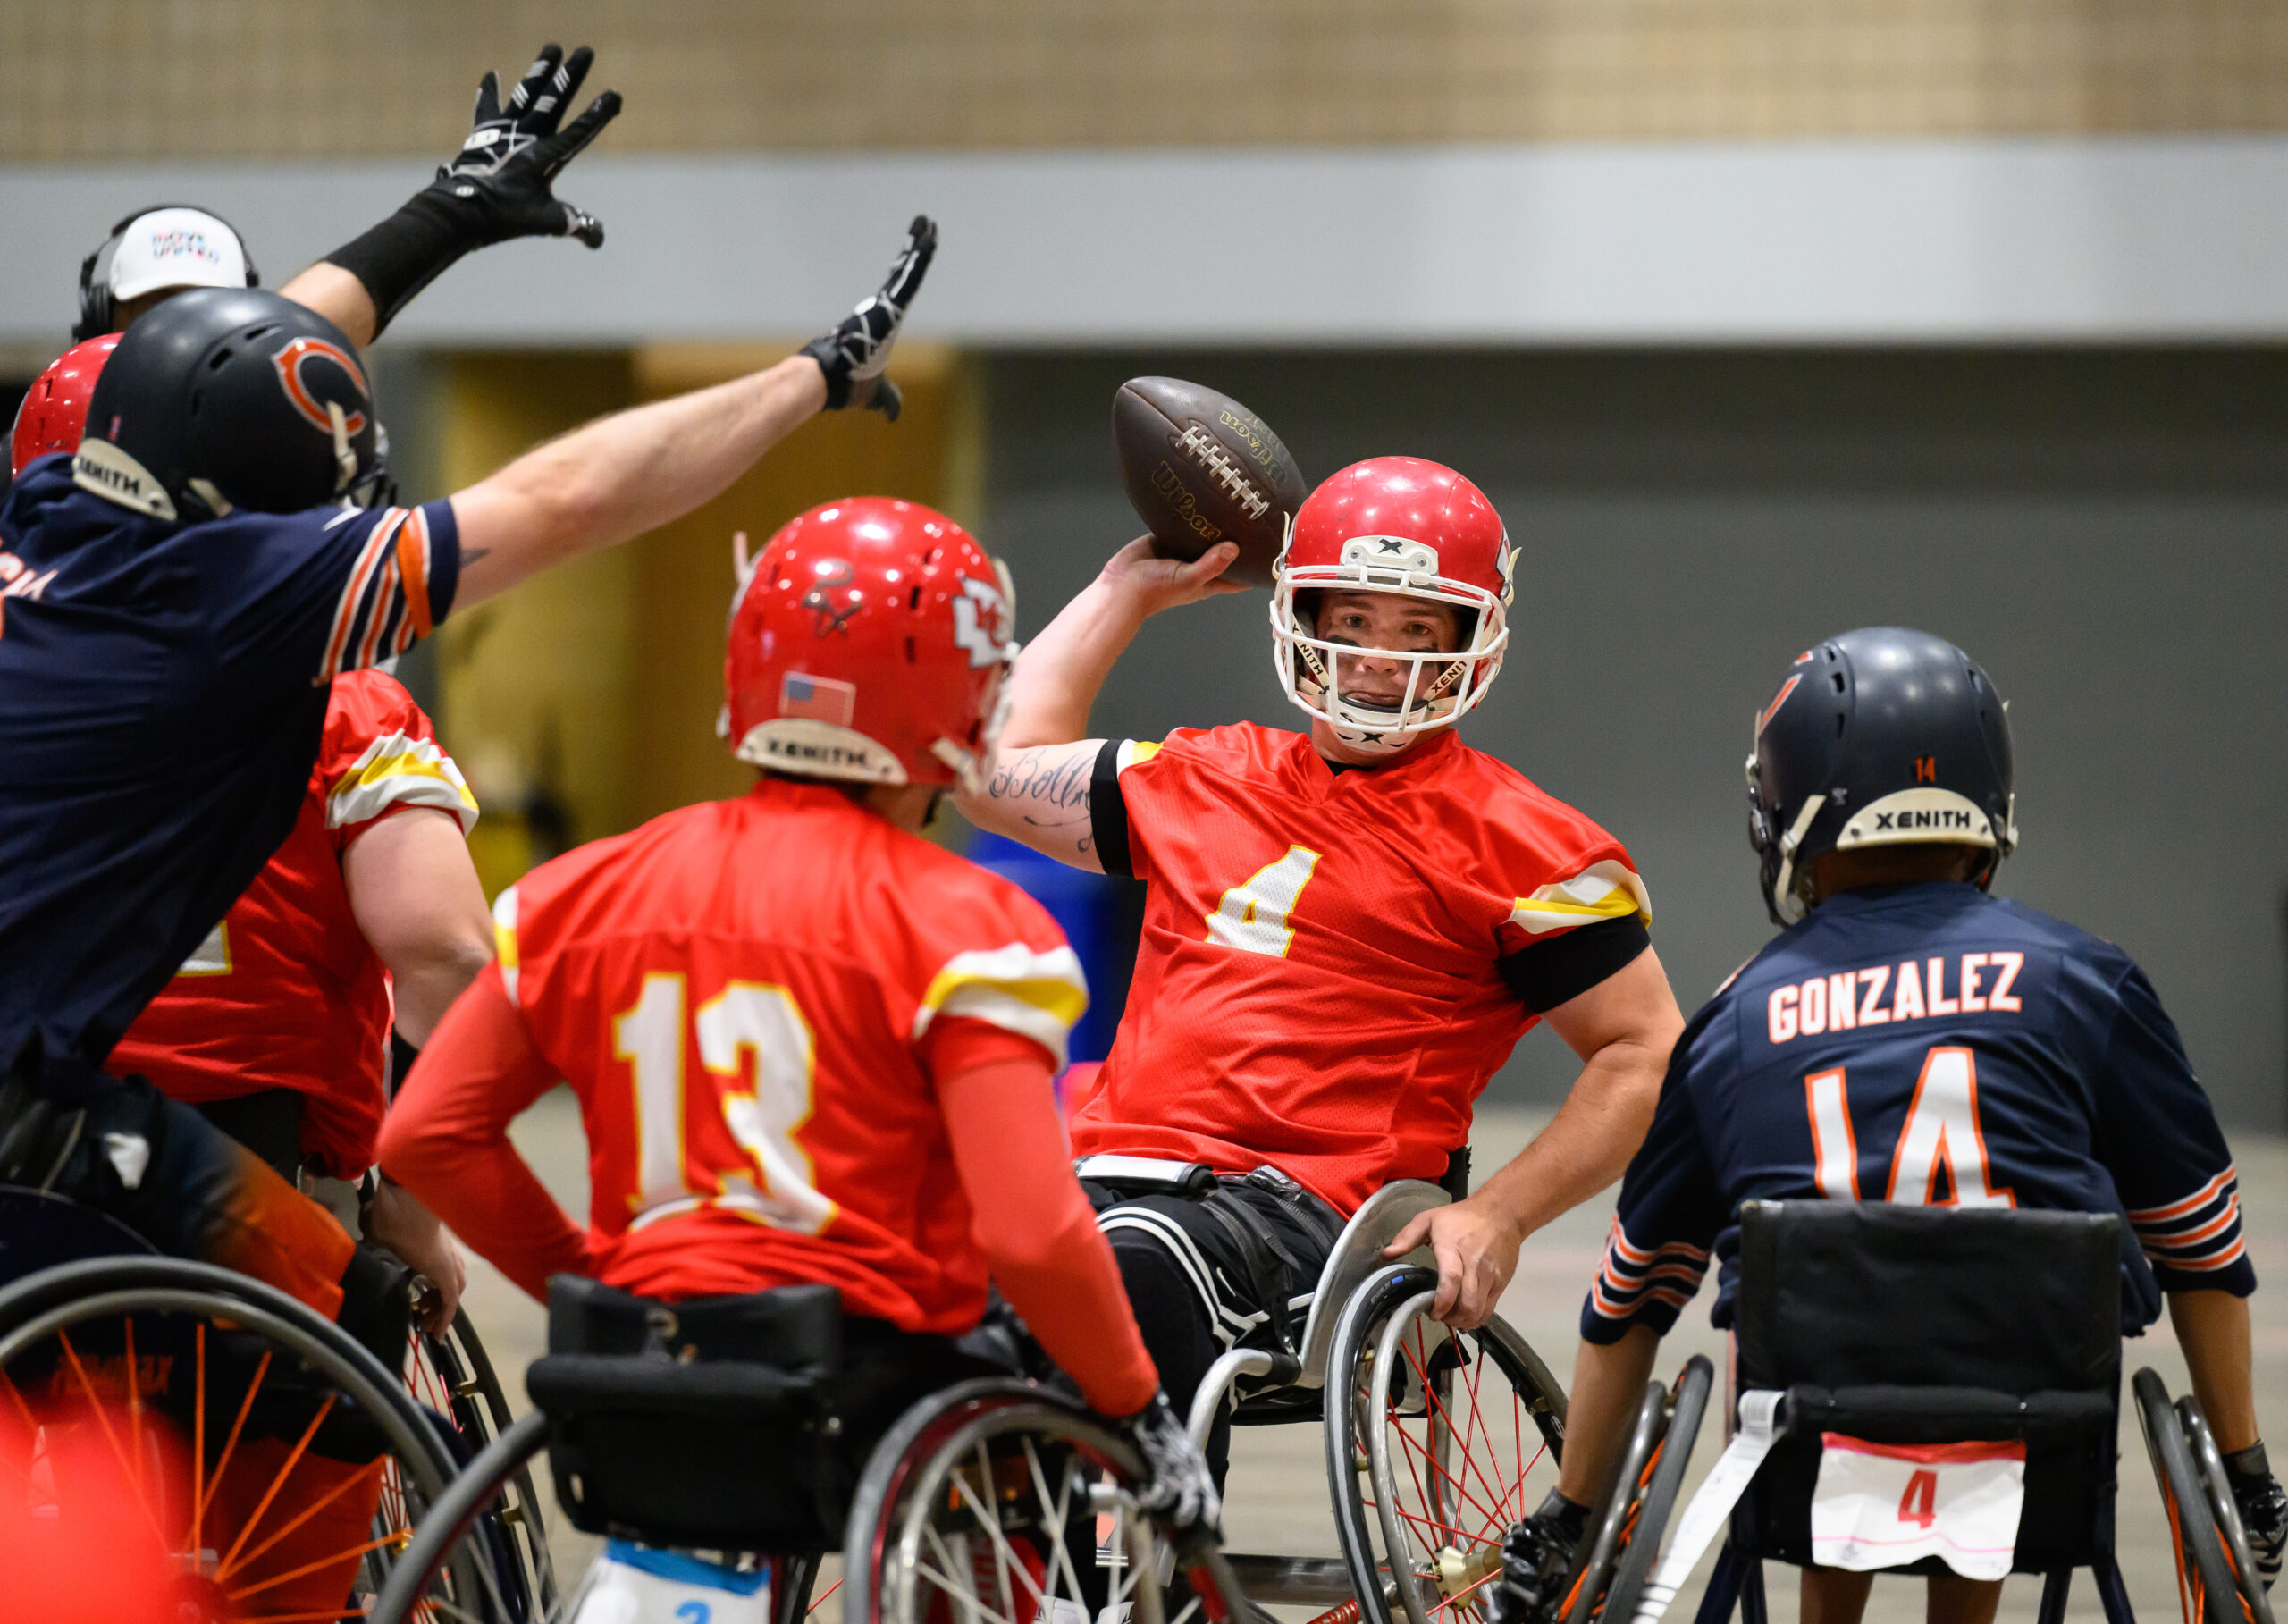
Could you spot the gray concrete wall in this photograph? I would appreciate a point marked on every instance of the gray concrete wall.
(2108, 532)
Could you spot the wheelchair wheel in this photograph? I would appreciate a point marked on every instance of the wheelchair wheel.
(970, 1508)
(1637, 1506)
(2211, 1460)
(452, 1376)
(2207, 1587)
(267, 1461)
(1437, 1441)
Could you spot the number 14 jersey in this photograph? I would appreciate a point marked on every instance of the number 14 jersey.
(1933, 1045)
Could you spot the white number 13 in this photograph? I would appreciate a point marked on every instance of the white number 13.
(745, 1018)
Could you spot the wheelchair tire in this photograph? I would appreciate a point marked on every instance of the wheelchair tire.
(2204, 1573)
(1422, 1545)
(2210, 1463)
(1661, 1480)
(452, 1377)
(238, 1373)
(914, 1521)
(1593, 1575)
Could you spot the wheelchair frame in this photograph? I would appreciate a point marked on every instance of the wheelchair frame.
(1360, 1304)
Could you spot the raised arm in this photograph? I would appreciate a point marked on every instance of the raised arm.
(497, 187)
(1037, 791)
(638, 469)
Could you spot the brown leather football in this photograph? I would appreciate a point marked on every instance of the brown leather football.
(1201, 469)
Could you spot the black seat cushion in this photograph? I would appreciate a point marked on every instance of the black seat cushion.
(1916, 1325)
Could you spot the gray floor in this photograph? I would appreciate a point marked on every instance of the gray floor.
(1279, 1502)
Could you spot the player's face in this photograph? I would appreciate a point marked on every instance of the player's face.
(1377, 620)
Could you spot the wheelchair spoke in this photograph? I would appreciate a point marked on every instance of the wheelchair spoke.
(962, 1595)
(343, 1555)
(198, 1439)
(246, 1406)
(1058, 1506)
(278, 1481)
(1440, 1408)
(110, 1436)
(1460, 1485)
(989, 1518)
(309, 1511)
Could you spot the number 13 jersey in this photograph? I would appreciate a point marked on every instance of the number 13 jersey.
(1334, 961)
(742, 994)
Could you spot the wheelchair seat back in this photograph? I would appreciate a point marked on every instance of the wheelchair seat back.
(706, 1423)
(1933, 1325)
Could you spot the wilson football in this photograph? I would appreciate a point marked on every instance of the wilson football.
(1201, 469)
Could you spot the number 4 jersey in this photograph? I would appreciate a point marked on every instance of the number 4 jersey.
(1933, 1045)
(1335, 961)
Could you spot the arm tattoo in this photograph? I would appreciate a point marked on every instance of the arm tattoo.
(1058, 785)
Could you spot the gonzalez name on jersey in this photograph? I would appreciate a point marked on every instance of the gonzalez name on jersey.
(285, 992)
(1934, 1045)
(1334, 961)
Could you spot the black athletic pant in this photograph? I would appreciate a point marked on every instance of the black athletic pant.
(1189, 1278)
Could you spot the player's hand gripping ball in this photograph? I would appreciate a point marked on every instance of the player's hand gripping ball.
(1200, 468)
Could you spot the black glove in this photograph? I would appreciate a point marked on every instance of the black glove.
(854, 355)
(499, 179)
(1178, 1490)
(495, 188)
(2264, 1507)
(1536, 1561)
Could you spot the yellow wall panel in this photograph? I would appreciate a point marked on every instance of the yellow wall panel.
(185, 79)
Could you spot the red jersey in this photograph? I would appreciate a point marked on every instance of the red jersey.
(738, 992)
(1334, 962)
(285, 993)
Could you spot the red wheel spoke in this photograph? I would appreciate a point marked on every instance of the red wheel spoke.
(1431, 1397)
(342, 1555)
(821, 1602)
(198, 1442)
(277, 1482)
(111, 1436)
(214, 1483)
(309, 1511)
(1460, 1485)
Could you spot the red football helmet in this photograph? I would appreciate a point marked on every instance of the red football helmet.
(869, 640)
(1416, 529)
(55, 407)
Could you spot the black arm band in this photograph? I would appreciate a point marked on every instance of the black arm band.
(405, 252)
(1109, 813)
(1549, 973)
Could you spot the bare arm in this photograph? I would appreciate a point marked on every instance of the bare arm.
(338, 297)
(1608, 1385)
(1623, 1028)
(1038, 792)
(2213, 1328)
(414, 892)
(624, 475)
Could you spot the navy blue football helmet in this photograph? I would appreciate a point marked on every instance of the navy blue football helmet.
(1880, 736)
(226, 398)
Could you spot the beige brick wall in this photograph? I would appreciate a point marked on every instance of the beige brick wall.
(196, 78)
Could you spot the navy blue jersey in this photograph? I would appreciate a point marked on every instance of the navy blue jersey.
(1926, 1044)
(162, 690)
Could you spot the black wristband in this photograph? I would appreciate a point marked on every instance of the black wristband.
(406, 252)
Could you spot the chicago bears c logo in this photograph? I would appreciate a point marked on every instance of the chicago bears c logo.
(290, 362)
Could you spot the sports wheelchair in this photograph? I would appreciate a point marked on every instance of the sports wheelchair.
(239, 1419)
(1435, 1439)
(1846, 1310)
(741, 1428)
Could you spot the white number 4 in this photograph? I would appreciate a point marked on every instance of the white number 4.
(1253, 915)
